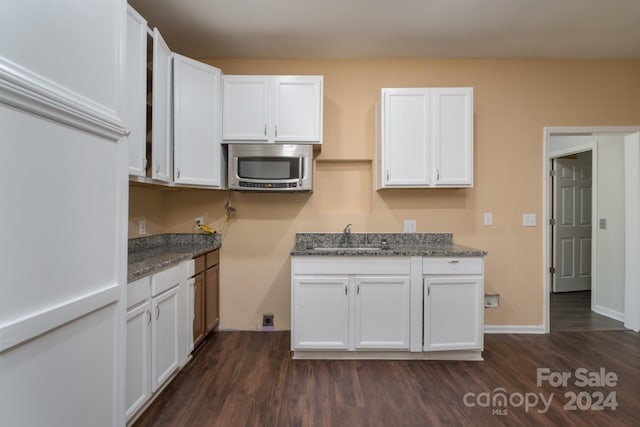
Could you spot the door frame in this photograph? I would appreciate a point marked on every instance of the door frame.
(547, 156)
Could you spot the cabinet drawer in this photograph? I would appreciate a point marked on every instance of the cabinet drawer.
(138, 291)
(199, 262)
(212, 258)
(451, 265)
(167, 279)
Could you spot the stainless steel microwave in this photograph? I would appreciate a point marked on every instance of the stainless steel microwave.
(270, 167)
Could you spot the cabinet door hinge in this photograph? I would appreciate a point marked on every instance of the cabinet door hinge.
(552, 270)
(552, 172)
(552, 221)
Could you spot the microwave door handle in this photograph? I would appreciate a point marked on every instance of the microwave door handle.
(300, 170)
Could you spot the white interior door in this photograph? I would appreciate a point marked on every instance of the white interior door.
(572, 230)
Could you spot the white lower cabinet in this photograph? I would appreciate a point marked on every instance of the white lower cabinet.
(453, 304)
(336, 311)
(382, 312)
(138, 384)
(155, 322)
(387, 307)
(321, 312)
(164, 337)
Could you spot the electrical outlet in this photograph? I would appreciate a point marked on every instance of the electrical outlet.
(488, 218)
(267, 319)
(199, 220)
(529, 220)
(142, 227)
(409, 225)
(491, 300)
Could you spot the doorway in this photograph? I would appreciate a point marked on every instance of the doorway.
(589, 288)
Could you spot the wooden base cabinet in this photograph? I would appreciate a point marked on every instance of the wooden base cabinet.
(206, 310)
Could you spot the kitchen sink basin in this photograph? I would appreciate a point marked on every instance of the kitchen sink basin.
(352, 249)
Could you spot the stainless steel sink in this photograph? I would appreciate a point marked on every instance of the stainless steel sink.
(351, 249)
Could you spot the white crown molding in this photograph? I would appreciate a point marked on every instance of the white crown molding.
(30, 92)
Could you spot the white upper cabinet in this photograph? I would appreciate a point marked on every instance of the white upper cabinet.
(135, 107)
(161, 143)
(196, 123)
(425, 138)
(245, 108)
(273, 109)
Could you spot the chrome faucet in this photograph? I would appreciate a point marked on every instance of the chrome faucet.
(346, 234)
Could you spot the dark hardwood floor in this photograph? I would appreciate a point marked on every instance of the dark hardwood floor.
(249, 379)
(571, 311)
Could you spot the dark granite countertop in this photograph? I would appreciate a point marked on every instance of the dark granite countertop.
(148, 255)
(381, 244)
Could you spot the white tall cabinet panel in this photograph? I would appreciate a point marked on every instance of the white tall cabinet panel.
(135, 107)
(61, 109)
(197, 127)
(161, 141)
(425, 138)
(382, 312)
(164, 337)
(321, 312)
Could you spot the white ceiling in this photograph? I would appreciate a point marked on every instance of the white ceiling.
(397, 28)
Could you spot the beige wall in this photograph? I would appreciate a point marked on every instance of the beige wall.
(514, 100)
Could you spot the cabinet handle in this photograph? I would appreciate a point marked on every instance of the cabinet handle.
(157, 167)
(144, 163)
(358, 290)
(276, 130)
(428, 290)
(437, 174)
(157, 311)
(387, 174)
(148, 317)
(265, 130)
(453, 261)
(345, 289)
(178, 172)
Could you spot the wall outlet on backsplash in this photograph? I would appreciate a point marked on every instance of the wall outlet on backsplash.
(410, 226)
(142, 227)
(198, 221)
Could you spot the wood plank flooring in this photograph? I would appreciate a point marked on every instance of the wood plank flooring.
(571, 311)
(249, 379)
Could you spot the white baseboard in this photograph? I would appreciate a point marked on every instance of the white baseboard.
(514, 329)
(617, 315)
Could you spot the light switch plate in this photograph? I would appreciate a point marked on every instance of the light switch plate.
(488, 218)
(529, 220)
(603, 223)
(410, 226)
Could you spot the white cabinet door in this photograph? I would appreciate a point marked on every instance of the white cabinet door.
(320, 312)
(272, 109)
(406, 138)
(136, 78)
(138, 381)
(382, 312)
(298, 109)
(164, 336)
(162, 153)
(245, 111)
(453, 313)
(197, 116)
(453, 136)
(425, 138)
